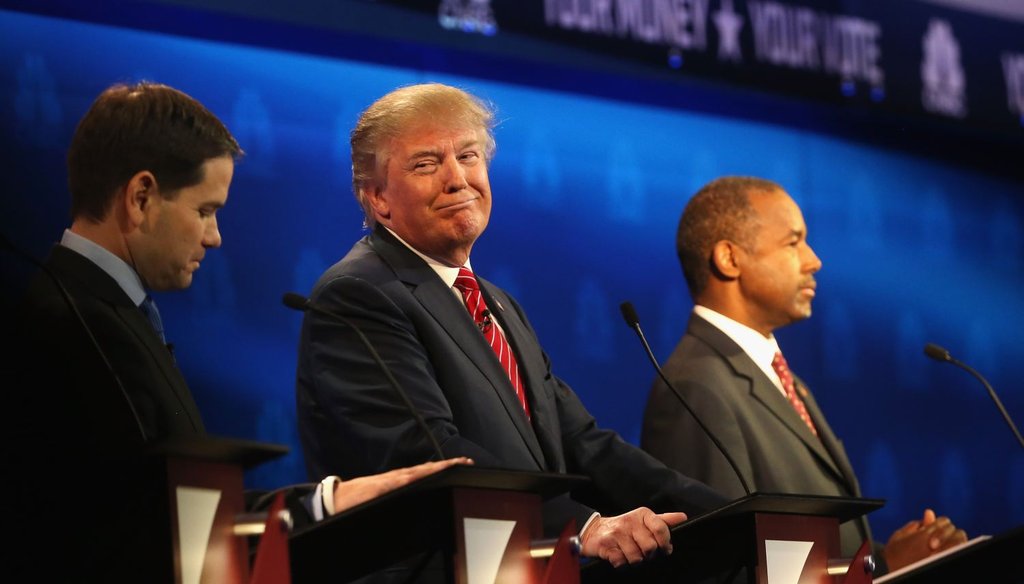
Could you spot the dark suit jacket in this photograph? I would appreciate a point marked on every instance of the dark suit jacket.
(74, 439)
(773, 448)
(76, 449)
(351, 421)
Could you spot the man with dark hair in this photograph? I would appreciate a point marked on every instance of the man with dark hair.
(149, 167)
(461, 347)
(742, 243)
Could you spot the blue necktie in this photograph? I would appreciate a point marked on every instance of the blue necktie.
(148, 307)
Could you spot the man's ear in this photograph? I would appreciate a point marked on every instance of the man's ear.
(374, 195)
(725, 260)
(137, 196)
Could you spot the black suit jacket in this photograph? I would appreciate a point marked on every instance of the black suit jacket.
(773, 448)
(351, 421)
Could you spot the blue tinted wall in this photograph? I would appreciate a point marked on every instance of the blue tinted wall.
(587, 193)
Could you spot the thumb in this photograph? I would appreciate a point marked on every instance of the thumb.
(929, 517)
(672, 519)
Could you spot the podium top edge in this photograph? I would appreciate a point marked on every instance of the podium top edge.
(246, 453)
(545, 484)
(843, 508)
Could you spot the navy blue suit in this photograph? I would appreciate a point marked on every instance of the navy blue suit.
(351, 422)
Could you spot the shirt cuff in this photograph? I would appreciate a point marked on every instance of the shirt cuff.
(323, 498)
(593, 516)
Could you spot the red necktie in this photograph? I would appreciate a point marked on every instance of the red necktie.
(786, 376)
(466, 283)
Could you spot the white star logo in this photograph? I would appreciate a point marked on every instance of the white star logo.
(729, 25)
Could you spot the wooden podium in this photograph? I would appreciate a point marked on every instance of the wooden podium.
(759, 539)
(203, 480)
(484, 524)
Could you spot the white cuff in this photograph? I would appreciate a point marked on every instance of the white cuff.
(325, 492)
(594, 516)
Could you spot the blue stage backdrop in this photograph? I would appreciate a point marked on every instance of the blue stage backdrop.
(587, 191)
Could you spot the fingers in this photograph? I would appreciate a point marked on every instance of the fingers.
(919, 539)
(634, 547)
(660, 525)
(429, 468)
(673, 519)
(943, 534)
(353, 492)
(632, 537)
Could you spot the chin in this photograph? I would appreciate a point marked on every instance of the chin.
(182, 283)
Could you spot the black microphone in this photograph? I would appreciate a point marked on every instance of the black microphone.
(302, 304)
(629, 313)
(70, 301)
(939, 354)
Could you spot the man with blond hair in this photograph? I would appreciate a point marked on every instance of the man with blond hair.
(461, 347)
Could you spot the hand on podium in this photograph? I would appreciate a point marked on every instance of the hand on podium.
(630, 538)
(921, 538)
(348, 494)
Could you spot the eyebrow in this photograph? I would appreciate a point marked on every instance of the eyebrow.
(436, 152)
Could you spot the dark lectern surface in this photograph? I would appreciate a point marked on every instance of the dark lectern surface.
(994, 561)
(720, 543)
(245, 453)
(407, 521)
(842, 508)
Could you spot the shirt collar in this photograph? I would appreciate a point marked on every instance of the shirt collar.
(115, 267)
(445, 272)
(761, 350)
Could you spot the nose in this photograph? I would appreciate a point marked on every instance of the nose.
(211, 237)
(811, 261)
(454, 176)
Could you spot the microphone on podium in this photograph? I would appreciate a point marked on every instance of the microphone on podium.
(939, 354)
(303, 304)
(630, 315)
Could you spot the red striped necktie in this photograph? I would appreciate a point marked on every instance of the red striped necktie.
(786, 376)
(466, 283)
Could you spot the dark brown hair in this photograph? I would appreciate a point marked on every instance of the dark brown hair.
(147, 126)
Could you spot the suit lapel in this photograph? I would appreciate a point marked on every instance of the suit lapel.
(442, 304)
(134, 319)
(828, 439)
(532, 369)
(101, 285)
(762, 390)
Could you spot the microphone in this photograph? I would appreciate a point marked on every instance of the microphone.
(939, 354)
(303, 304)
(70, 301)
(633, 321)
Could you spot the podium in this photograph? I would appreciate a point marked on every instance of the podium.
(484, 524)
(791, 538)
(204, 484)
